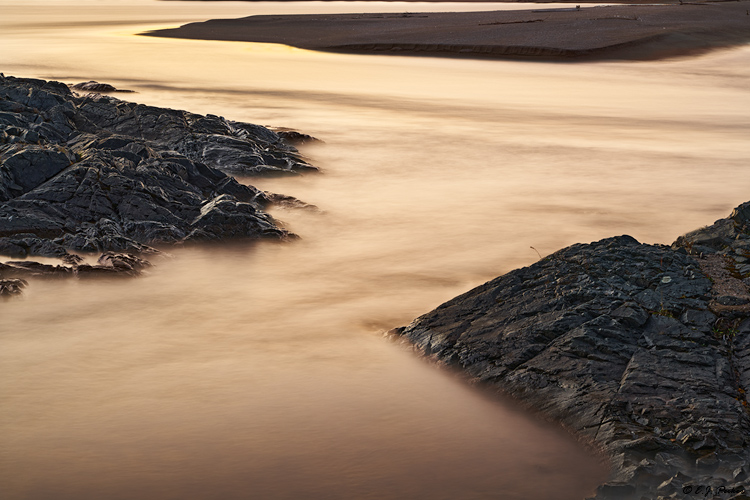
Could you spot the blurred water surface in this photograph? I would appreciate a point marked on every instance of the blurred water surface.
(259, 371)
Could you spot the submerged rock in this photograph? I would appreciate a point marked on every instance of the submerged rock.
(96, 174)
(123, 261)
(624, 344)
(109, 264)
(29, 269)
(295, 137)
(10, 287)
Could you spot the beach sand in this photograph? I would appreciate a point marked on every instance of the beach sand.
(639, 32)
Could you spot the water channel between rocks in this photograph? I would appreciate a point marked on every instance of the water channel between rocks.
(238, 371)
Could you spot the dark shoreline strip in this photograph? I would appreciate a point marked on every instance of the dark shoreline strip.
(489, 51)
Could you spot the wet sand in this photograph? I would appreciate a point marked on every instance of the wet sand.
(639, 32)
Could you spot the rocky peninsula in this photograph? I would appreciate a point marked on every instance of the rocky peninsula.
(635, 32)
(642, 351)
(90, 173)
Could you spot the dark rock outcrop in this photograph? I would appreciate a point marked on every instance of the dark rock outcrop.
(630, 346)
(96, 174)
(295, 137)
(123, 261)
(92, 86)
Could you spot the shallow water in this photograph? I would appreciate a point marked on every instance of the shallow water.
(260, 371)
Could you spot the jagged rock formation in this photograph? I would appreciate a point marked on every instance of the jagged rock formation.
(641, 350)
(93, 173)
(10, 287)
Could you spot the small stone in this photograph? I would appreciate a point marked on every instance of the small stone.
(732, 300)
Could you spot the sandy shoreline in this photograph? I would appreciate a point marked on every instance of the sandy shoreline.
(637, 32)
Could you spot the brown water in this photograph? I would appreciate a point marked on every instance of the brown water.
(260, 371)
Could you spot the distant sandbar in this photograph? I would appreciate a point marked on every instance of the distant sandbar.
(636, 32)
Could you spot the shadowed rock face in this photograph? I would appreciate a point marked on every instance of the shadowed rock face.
(94, 173)
(625, 344)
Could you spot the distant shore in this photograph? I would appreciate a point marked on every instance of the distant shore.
(634, 32)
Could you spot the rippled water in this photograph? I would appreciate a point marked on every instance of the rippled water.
(259, 371)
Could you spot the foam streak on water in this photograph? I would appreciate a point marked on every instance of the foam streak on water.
(258, 371)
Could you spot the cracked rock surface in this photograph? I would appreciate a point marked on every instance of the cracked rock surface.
(94, 174)
(638, 349)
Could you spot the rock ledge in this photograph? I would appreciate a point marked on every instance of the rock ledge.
(92, 173)
(641, 350)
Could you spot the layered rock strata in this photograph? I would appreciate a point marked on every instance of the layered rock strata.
(14, 274)
(641, 350)
(90, 173)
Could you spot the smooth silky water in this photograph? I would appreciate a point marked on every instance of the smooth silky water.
(260, 370)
